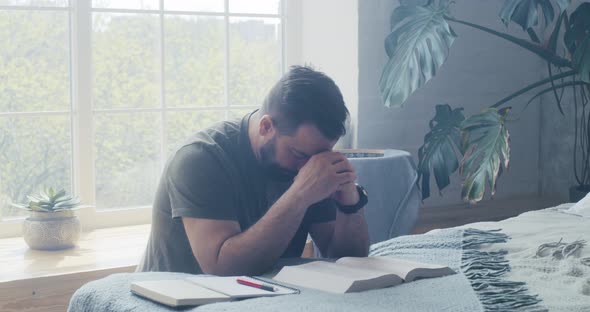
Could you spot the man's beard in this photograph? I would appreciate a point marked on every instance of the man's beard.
(270, 165)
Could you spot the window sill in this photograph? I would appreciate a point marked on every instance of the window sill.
(45, 280)
(90, 218)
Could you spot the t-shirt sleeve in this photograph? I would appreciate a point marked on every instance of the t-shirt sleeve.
(198, 185)
(323, 211)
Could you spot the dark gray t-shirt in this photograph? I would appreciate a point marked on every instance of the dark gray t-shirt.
(215, 175)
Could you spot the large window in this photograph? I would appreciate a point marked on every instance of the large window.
(95, 94)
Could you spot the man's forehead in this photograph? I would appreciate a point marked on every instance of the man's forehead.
(310, 140)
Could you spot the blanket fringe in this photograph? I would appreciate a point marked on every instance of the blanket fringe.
(485, 271)
(474, 238)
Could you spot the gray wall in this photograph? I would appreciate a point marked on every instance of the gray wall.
(480, 70)
(557, 133)
(557, 137)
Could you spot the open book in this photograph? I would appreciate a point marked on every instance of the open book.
(351, 274)
(198, 290)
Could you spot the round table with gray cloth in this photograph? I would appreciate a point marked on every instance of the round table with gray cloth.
(390, 177)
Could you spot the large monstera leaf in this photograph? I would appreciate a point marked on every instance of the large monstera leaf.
(577, 40)
(417, 46)
(486, 142)
(439, 149)
(581, 60)
(526, 12)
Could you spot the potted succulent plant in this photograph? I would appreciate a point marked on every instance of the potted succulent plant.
(52, 224)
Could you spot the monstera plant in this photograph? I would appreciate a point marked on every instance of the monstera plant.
(478, 146)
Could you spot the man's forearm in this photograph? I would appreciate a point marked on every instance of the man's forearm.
(351, 236)
(258, 248)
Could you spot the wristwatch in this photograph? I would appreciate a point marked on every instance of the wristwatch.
(363, 200)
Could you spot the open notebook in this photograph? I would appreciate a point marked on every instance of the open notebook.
(198, 290)
(351, 274)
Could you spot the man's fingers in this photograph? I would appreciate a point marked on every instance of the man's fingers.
(339, 158)
(343, 166)
(341, 163)
(344, 185)
(332, 157)
(346, 177)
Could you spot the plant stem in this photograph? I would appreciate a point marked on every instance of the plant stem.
(586, 147)
(534, 85)
(576, 138)
(533, 35)
(557, 99)
(554, 88)
(534, 48)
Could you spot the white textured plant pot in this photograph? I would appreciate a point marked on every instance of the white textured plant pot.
(51, 230)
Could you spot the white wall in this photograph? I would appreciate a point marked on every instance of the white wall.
(329, 41)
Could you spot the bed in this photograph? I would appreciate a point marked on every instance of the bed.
(537, 261)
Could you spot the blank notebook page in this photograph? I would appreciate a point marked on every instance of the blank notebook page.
(180, 289)
(229, 286)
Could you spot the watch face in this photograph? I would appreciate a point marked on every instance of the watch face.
(364, 196)
(364, 191)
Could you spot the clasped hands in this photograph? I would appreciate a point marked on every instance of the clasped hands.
(328, 174)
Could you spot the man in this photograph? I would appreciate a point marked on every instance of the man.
(242, 194)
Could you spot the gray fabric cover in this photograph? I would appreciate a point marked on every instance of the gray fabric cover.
(394, 197)
(479, 285)
(450, 293)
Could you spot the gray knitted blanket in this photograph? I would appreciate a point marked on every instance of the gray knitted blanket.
(478, 286)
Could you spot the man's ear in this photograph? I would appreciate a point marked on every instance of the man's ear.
(266, 126)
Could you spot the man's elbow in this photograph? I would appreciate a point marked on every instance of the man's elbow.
(219, 268)
(359, 252)
(365, 251)
(230, 269)
(358, 249)
(216, 270)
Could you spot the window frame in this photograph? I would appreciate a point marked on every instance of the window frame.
(81, 112)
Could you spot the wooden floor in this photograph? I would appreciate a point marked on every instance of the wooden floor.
(491, 210)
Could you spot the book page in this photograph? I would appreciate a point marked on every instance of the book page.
(334, 277)
(406, 269)
(228, 285)
(341, 270)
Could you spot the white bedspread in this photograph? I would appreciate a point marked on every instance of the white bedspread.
(564, 285)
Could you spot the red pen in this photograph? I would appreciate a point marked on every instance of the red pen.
(256, 285)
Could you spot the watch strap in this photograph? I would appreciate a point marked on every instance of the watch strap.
(363, 200)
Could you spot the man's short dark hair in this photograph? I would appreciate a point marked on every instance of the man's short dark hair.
(304, 95)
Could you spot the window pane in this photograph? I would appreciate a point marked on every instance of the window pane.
(34, 61)
(257, 6)
(181, 125)
(239, 113)
(201, 5)
(35, 152)
(36, 3)
(127, 4)
(194, 61)
(127, 155)
(255, 54)
(126, 60)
